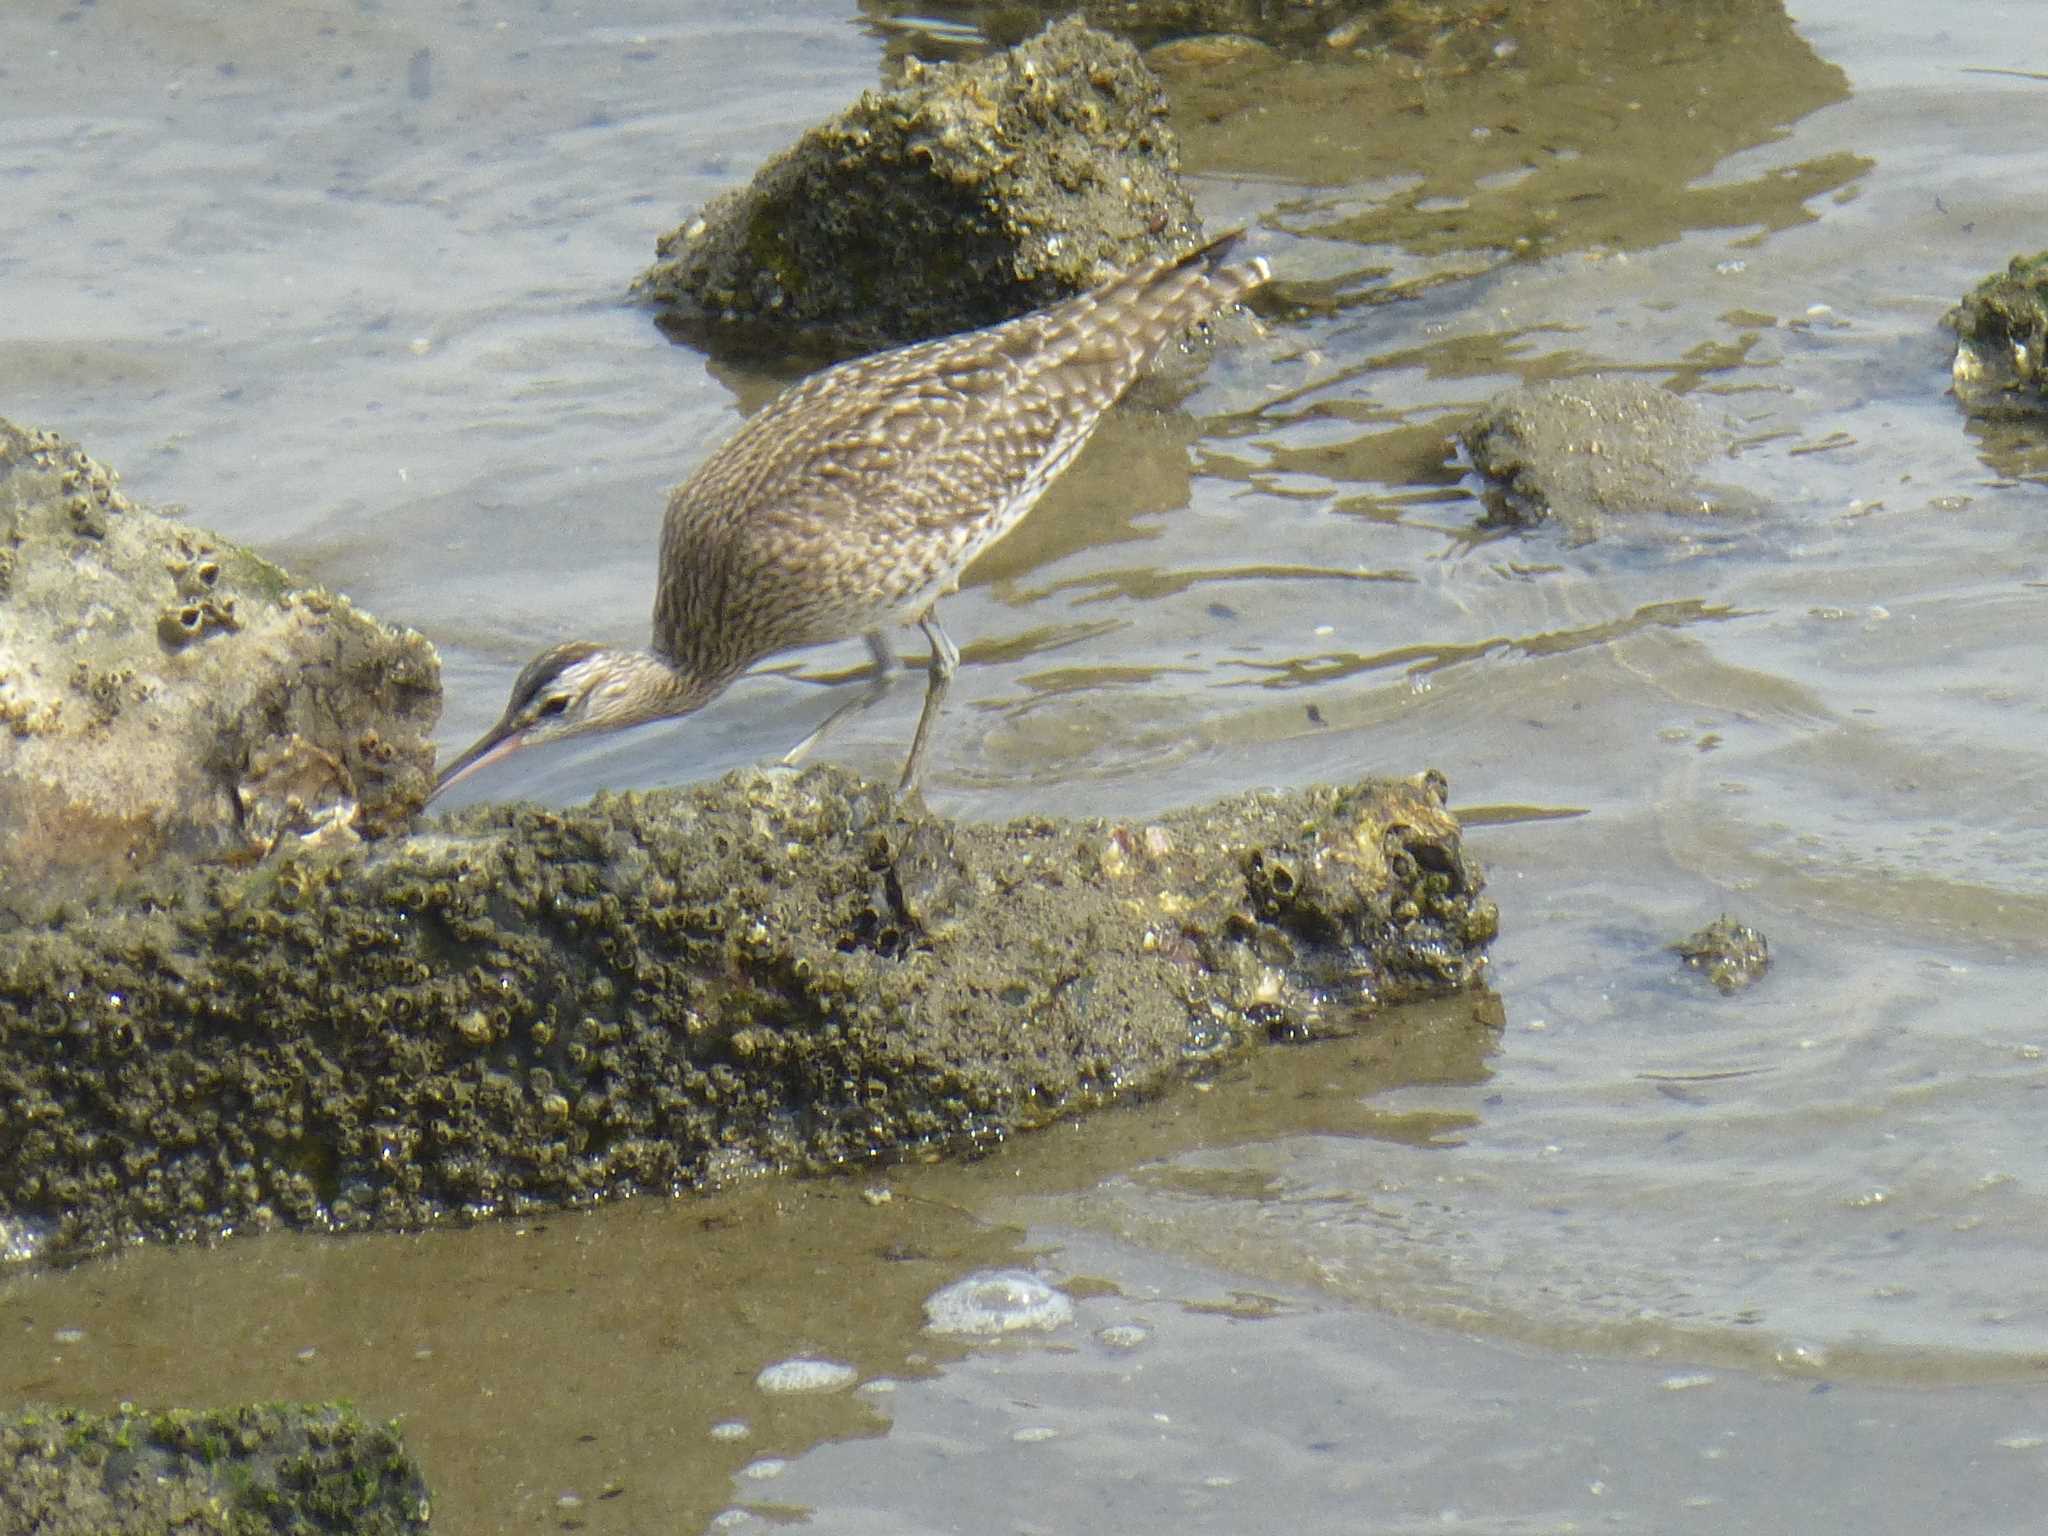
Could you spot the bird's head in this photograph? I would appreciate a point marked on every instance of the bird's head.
(572, 690)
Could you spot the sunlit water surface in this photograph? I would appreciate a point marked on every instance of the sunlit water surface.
(347, 285)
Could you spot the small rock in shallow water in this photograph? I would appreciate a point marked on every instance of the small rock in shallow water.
(2001, 326)
(1731, 955)
(1595, 453)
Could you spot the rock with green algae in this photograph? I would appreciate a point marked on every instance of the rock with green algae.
(527, 1008)
(967, 194)
(238, 1471)
(2001, 326)
(1731, 955)
(165, 693)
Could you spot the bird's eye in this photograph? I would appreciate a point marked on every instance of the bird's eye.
(554, 704)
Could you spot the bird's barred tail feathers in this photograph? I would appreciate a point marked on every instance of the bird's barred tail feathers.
(1108, 334)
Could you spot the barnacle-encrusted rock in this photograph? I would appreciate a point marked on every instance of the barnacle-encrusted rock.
(266, 1467)
(967, 194)
(666, 990)
(162, 691)
(2001, 331)
(1731, 955)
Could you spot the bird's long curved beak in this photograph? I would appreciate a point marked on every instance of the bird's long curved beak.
(496, 743)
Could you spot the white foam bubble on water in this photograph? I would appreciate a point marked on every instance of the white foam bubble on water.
(997, 1301)
(806, 1376)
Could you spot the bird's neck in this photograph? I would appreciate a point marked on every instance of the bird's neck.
(658, 687)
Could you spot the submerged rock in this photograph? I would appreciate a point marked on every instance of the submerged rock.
(270, 1467)
(163, 692)
(1306, 25)
(1731, 955)
(966, 195)
(1593, 452)
(668, 990)
(2001, 331)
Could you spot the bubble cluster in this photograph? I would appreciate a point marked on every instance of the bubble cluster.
(802, 1375)
(997, 1301)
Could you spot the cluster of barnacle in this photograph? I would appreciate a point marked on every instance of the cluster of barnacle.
(106, 689)
(194, 572)
(182, 623)
(88, 487)
(1332, 925)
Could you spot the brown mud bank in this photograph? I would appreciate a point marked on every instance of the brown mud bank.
(666, 991)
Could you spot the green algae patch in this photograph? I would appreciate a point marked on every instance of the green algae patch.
(526, 1008)
(247, 1471)
(2001, 331)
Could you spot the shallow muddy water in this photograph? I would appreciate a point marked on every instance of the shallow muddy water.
(348, 286)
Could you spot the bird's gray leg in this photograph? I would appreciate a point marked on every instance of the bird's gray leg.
(880, 675)
(945, 662)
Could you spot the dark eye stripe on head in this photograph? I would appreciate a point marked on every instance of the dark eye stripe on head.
(546, 667)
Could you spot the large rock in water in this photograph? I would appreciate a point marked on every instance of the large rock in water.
(163, 692)
(663, 991)
(968, 194)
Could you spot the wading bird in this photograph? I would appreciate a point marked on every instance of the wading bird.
(856, 499)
